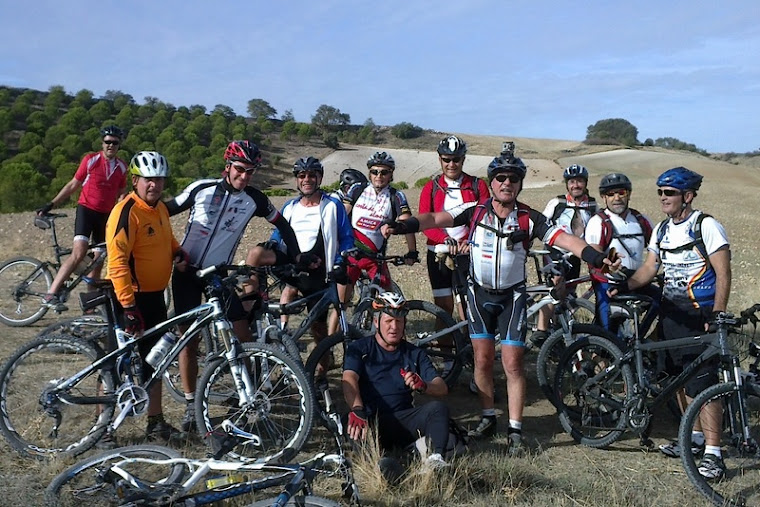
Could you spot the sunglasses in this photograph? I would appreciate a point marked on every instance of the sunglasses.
(456, 160)
(668, 192)
(501, 178)
(380, 172)
(246, 170)
(622, 192)
(112, 142)
(304, 175)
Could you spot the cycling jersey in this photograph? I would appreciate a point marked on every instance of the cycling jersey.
(370, 210)
(218, 217)
(140, 247)
(443, 194)
(498, 263)
(629, 240)
(334, 227)
(102, 180)
(690, 281)
(586, 209)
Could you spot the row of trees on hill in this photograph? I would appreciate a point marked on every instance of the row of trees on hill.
(43, 136)
(620, 131)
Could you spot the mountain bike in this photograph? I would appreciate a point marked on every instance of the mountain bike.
(24, 280)
(602, 391)
(154, 475)
(60, 394)
(737, 420)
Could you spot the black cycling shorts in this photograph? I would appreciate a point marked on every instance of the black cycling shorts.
(90, 224)
(187, 290)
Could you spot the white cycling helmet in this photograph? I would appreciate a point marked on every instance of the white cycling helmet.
(149, 164)
(391, 303)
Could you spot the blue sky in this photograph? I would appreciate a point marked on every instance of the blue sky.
(548, 69)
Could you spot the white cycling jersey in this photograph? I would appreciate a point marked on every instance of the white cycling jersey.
(631, 246)
(218, 219)
(371, 209)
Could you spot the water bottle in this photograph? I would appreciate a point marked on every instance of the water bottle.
(159, 350)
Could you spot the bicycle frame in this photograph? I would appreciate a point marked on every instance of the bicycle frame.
(123, 345)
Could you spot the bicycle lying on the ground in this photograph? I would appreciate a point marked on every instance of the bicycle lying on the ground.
(60, 394)
(602, 391)
(24, 280)
(155, 475)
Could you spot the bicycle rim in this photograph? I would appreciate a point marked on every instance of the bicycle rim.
(84, 327)
(551, 352)
(324, 369)
(741, 483)
(24, 383)
(281, 413)
(591, 396)
(23, 283)
(83, 483)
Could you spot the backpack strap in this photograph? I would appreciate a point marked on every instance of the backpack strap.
(436, 187)
(523, 223)
(696, 242)
(562, 205)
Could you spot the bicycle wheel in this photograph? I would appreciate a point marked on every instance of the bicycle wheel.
(298, 501)
(551, 353)
(84, 327)
(282, 409)
(30, 408)
(429, 327)
(591, 389)
(24, 281)
(207, 349)
(741, 483)
(84, 483)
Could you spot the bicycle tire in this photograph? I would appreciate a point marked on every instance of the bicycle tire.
(24, 379)
(421, 322)
(551, 353)
(84, 327)
(298, 501)
(283, 341)
(739, 486)
(281, 414)
(593, 413)
(81, 485)
(22, 305)
(582, 310)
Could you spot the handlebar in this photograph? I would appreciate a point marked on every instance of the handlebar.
(396, 260)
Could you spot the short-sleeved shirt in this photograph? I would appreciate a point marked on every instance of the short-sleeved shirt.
(494, 264)
(218, 218)
(381, 385)
(689, 283)
(370, 210)
(102, 181)
(632, 243)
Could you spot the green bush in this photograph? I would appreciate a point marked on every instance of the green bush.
(406, 130)
(421, 182)
(400, 185)
(278, 191)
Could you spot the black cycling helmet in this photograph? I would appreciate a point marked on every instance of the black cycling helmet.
(506, 165)
(351, 176)
(681, 178)
(453, 146)
(614, 180)
(112, 130)
(308, 164)
(575, 171)
(381, 158)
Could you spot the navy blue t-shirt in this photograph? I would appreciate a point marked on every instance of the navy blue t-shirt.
(380, 382)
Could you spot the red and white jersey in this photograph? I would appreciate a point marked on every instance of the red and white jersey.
(102, 181)
(371, 209)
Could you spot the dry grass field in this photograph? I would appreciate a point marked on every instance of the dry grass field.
(556, 471)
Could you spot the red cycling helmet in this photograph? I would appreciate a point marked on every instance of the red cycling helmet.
(243, 151)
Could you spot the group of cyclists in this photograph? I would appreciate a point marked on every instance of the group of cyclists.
(479, 221)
